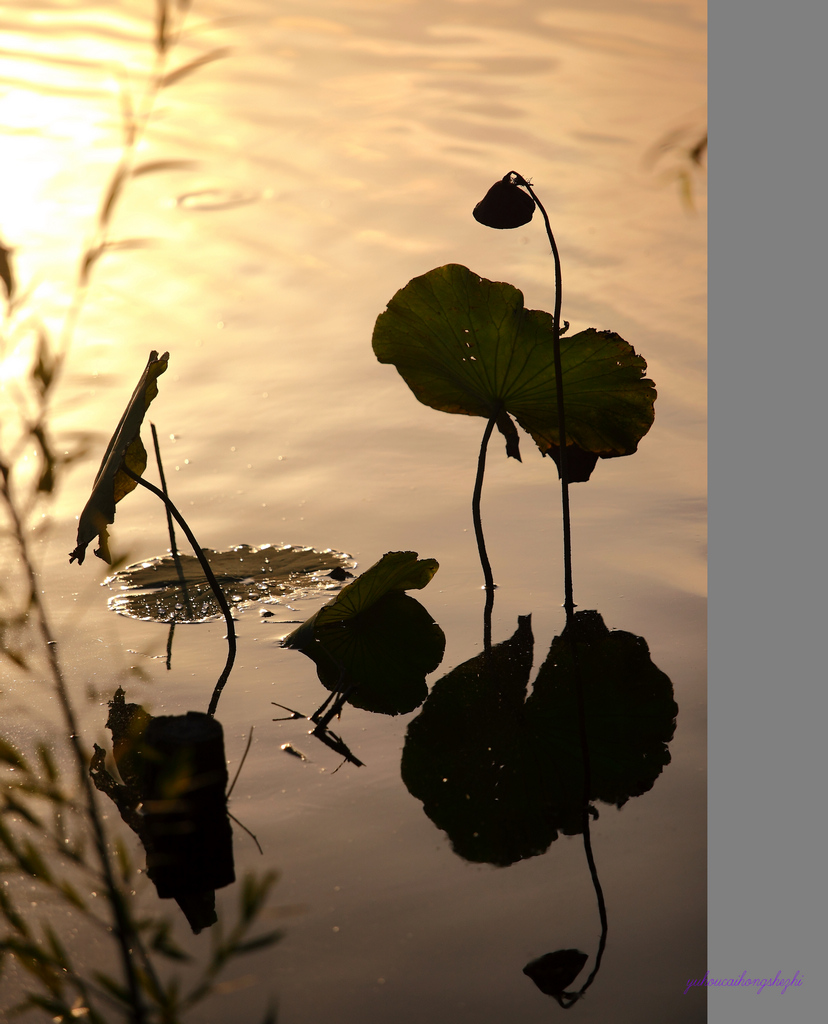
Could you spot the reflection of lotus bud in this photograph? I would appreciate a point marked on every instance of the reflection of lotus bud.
(505, 205)
(553, 972)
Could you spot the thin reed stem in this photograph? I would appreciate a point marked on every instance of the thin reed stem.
(126, 936)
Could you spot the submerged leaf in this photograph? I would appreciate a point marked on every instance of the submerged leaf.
(124, 449)
(467, 345)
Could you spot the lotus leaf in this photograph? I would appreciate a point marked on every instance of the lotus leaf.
(467, 345)
(395, 571)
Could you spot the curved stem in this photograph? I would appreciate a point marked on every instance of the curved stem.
(585, 825)
(173, 545)
(569, 604)
(211, 579)
(478, 490)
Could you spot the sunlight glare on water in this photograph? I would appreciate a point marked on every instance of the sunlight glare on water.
(332, 153)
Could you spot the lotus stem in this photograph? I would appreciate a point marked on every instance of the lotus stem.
(173, 546)
(478, 490)
(569, 604)
(211, 579)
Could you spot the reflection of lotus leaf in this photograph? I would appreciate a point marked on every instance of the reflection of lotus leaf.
(502, 775)
(384, 652)
(174, 769)
(152, 590)
(630, 711)
(375, 638)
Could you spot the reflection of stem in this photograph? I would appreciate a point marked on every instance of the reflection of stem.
(478, 490)
(170, 636)
(602, 909)
(173, 548)
(487, 620)
(211, 579)
(569, 604)
(593, 871)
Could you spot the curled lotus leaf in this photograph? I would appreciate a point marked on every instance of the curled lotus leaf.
(125, 449)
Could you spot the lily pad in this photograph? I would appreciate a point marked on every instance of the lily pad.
(152, 590)
(467, 345)
(375, 639)
(396, 571)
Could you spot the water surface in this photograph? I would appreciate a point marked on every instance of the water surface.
(334, 153)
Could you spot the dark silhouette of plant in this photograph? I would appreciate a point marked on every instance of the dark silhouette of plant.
(125, 459)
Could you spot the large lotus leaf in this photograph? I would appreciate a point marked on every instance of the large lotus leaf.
(385, 653)
(395, 571)
(502, 775)
(467, 345)
(124, 449)
(153, 589)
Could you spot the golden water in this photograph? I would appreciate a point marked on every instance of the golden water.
(333, 154)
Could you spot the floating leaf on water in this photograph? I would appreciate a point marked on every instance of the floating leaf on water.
(376, 639)
(124, 449)
(385, 653)
(467, 345)
(152, 590)
(395, 571)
